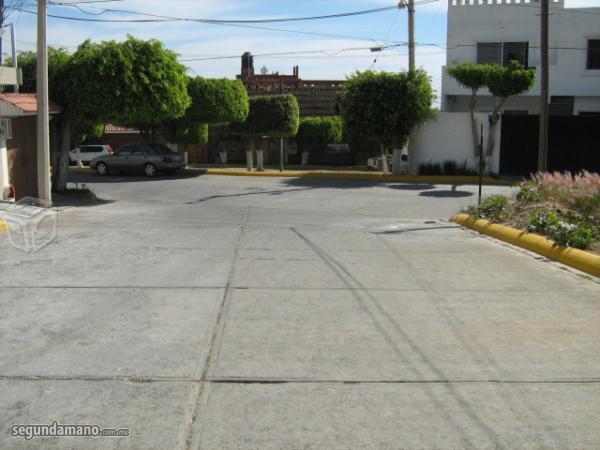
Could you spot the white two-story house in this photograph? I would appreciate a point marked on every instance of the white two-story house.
(497, 31)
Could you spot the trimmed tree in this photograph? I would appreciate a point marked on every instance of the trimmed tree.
(502, 82)
(276, 116)
(217, 101)
(136, 83)
(180, 132)
(384, 107)
(315, 132)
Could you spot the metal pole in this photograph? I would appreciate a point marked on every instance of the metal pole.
(543, 137)
(13, 41)
(411, 34)
(43, 117)
(481, 165)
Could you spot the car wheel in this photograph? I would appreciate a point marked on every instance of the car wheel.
(149, 170)
(101, 169)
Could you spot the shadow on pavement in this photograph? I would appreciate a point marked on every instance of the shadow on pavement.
(334, 183)
(125, 177)
(78, 197)
(446, 194)
(411, 186)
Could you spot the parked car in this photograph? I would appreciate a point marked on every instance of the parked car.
(375, 163)
(146, 158)
(88, 152)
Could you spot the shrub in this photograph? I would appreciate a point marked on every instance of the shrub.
(493, 208)
(275, 116)
(569, 229)
(450, 167)
(430, 169)
(464, 169)
(565, 186)
(318, 131)
(571, 235)
(217, 100)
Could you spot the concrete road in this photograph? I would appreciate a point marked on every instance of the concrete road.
(226, 312)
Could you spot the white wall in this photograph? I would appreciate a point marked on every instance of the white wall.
(448, 137)
(3, 165)
(499, 21)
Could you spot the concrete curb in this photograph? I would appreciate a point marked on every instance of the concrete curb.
(342, 175)
(579, 259)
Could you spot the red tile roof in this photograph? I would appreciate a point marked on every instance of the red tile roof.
(115, 129)
(25, 102)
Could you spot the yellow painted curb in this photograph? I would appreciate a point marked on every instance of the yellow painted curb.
(3, 225)
(579, 259)
(343, 175)
(443, 179)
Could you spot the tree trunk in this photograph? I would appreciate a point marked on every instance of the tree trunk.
(260, 161)
(384, 163)
(474, 131)
(494, 119)
(61, 169)
(249, 154)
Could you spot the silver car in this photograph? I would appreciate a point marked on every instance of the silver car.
(146, 158)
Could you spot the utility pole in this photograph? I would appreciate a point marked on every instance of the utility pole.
(543, 137)
(410, 6)
(411, 35)
(43, 116)
(1, 30)
(13, 44)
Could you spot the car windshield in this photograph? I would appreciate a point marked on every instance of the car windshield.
(160, 149)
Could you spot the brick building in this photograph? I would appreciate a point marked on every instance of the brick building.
(315, 97)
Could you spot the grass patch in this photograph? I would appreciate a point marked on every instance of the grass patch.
(561, 206)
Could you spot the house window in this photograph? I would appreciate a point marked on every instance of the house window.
(502, 52)
(593, 55)
(489, 53)
(515, 51)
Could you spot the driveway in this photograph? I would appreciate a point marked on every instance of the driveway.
(228, 312)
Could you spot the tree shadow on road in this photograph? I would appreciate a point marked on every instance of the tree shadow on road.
(447, 194)
(131, 177)
(339, 183)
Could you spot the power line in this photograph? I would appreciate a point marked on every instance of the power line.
(163, 18)
(330, 53)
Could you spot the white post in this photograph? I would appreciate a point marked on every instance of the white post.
(3, 166)
(43, 115)
(185, 158)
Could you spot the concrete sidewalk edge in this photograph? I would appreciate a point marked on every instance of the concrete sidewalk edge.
(579, 259)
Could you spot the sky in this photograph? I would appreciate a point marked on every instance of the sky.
(331, 57)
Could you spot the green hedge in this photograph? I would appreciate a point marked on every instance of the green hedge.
(318, 131)
(276, 116)
(217, 101)
(180, 132)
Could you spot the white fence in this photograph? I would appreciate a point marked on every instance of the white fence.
(448, 138)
